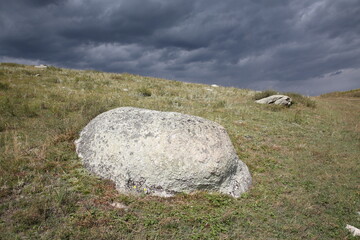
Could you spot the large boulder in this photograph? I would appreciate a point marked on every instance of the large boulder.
(161, 153)
(276, 99)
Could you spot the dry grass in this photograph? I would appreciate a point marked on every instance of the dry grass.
(304, 161)
(355, 93)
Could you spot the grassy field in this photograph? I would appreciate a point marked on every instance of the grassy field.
(355, 93)
(304, 161)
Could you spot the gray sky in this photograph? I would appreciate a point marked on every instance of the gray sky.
(307, 46)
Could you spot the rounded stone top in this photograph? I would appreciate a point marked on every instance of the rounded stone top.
(161, 153)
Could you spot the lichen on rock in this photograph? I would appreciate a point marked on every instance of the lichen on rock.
(162, 153)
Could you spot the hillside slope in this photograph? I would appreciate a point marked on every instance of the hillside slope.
(355, 93)
(304, 162)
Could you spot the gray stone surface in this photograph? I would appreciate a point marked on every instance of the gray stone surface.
(41, 66)
(355, 231)
(162, 153)
(276, 99)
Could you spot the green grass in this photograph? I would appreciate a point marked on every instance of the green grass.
(4, 86)
(304, 161)
(264, 94)
(145, 92)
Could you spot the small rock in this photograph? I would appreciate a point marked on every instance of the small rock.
(239, 122)
(276, 99)
(41, 66)
(355, 231)
(119, 205)
(214, 85)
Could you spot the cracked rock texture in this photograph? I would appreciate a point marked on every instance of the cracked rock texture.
(161, 153)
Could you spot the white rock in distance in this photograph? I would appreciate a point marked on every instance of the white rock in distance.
(276, 99)
(162, 153)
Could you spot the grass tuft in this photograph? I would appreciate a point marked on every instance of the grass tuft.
(145, 92)
(300, 99)
(4, 86)
(264, 94)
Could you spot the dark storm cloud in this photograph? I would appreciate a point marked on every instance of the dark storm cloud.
(286, 45)
(335, 73)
